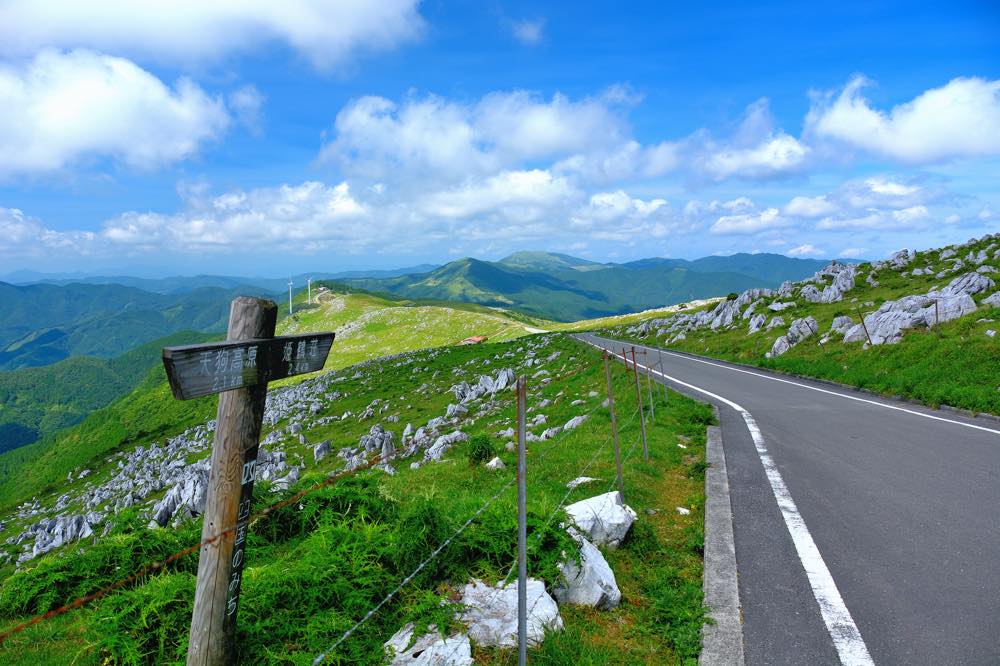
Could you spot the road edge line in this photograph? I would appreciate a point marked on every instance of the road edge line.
(721, 641)
(844, 633)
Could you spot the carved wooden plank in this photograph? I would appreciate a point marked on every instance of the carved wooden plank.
(198, 370)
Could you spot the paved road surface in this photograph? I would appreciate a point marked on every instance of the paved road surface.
(885, 546)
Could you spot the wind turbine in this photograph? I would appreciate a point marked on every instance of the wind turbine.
(310, 287)
(290, 311)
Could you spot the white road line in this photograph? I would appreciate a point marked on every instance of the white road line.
(843, 631)
(829, 392)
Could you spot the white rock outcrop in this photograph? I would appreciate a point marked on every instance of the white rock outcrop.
(589, 582)
(604, 519)
(431, 649)
(491, 613)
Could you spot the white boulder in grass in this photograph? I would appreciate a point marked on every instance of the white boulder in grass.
(580, 480)
(604, 519)
(431, 649)
(491, 613)
(575, 422)
(589, 582)
(993, 300)
(496, 463)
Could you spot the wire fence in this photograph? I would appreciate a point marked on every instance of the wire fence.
(263, 514)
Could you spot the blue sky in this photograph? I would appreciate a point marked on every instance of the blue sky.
(272, 138)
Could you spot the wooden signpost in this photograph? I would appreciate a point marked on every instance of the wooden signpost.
(239, 369)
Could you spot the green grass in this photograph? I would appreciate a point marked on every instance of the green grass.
(954, 363)
(317, 566)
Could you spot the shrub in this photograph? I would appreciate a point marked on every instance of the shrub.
(481, 449)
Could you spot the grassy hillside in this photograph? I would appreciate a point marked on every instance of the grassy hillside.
(564, 288)
(35, 402)
(319, 565)
(369, 326)
(953, 363)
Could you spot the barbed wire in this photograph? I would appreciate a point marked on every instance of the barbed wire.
(153, 567)
(437, 551)
(502, 584)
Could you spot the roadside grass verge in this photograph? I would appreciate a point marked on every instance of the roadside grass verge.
(316, 567)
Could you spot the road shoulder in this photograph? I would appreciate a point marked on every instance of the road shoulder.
(722, 641)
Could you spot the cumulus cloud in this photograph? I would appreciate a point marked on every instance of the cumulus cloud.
(749, 223)
(853, 252)
(60, 108)
(22, 236)
(433, 137)
(756, 150)
(528, 32)
(299, 218)
(516, 196)
(805, 251)
(959, 119)
(327, 32)
(809, 207)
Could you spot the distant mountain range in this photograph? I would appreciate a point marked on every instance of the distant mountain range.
(187, 284)
(42, 324)
(565, 288)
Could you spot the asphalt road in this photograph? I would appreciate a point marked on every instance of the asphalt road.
(886, 547)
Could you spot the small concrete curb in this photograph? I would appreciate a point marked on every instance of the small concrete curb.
(721, 642)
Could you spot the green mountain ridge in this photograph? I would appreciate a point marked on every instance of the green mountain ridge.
(565, 288)
(43, 324)
(35, 402)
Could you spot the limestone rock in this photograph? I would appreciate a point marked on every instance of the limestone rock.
(605, 519)
(491, 613)
(589, 582)
(431, 649)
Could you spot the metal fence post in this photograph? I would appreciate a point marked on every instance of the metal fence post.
(649, 385)
(614, 426)
(522, 528)
(642, 415)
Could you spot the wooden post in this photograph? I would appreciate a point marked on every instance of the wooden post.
(614, 426)
(865, 326)
(649, 384)
(227, 505)
(642, 415)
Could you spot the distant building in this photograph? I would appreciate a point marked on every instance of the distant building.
(474, 340)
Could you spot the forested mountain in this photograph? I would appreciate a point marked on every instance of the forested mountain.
(566, 288)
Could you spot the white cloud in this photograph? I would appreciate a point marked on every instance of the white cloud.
(853, 252)
(912, 215)
(872, 220)
(804, 251)
(749, 223)
(959, 119)
(290, 218)
(434, 138)
(774, 155)
(517, 195)
(809, 207)
(327, 32)
(23, 236)
(528, 32)
(756, 150)
(61, 108)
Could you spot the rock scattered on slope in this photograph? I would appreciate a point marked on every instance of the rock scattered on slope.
(491, 613)
(589, 582)
(604, 519)
(431, 649)
(797, 332)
